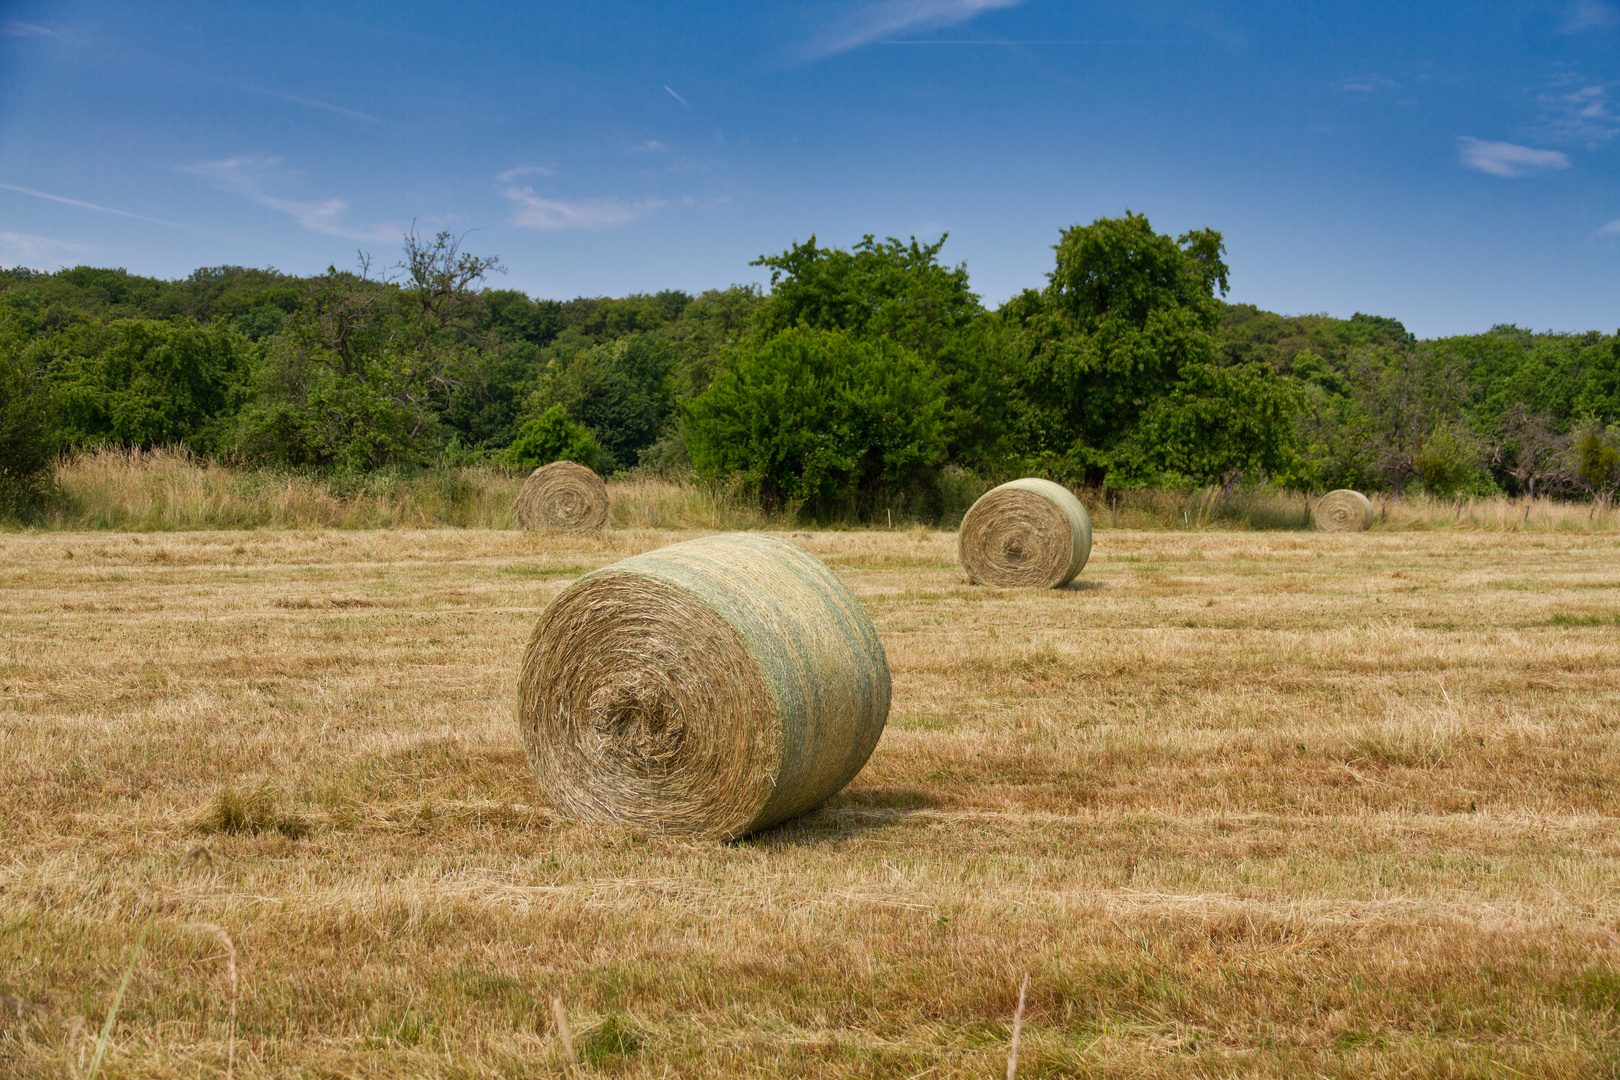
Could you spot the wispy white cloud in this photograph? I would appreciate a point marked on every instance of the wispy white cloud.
(1592, 15)
(1611, 229)
(869, 22)
(13, 28)
(652, 146)
(253, 175)
(676, 96)
(96, 207)
(22, 249)
(1577, 110)
(523, 170)
(1367, 84)
(1508, 159)
(313, 103)
(536, 212)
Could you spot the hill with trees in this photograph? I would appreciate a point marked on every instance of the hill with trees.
(856, 380)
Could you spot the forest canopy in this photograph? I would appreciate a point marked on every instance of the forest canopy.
(857, 380)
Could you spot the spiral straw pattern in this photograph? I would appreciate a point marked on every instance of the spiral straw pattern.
(1343, 511)
(1028, 532)
(711, 688)
(563, 495)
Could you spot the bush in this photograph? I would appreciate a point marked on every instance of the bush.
(818, 419)
(26, 450)
(1596, 452)
(553, 437)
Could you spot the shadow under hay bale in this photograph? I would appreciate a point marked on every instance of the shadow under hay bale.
(1027, 532)
(564, 496)
(1343, 511)
(711, 688)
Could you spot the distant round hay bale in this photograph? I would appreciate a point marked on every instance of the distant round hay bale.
(1343, 511)
(1025, 533)
(562, 495)
(710, 688)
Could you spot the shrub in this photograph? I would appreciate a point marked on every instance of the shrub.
(818, 419)
(26, 445)
(553, 437)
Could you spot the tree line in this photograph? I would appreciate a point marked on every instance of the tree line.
(858, 380)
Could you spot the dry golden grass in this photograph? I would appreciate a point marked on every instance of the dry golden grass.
(1273, 804)
(171, 490)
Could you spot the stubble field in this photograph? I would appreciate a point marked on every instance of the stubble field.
(1278, 804)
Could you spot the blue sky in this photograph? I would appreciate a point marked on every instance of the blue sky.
(1453, 165)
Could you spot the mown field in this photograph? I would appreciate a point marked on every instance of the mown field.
(1239, 803)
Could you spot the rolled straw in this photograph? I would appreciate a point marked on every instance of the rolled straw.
(1025, 533)
(1343, 511)
(710, 688)
(562, 495)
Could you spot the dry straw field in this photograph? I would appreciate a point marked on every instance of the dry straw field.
(1239, 803)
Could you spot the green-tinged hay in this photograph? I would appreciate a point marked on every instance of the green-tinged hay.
(563, 495)
(1025, 533)
(1343, 511)
(710, 688)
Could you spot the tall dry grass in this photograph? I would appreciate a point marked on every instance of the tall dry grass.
(170, 490)
(1284, 510)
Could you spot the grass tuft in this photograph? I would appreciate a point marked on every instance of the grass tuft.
(253, 812)
(609, 1040)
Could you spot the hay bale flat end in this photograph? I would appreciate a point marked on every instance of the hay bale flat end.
(563, 496)
(1343, 511)
(1027, 533)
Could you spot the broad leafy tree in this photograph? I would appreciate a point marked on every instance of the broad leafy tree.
(901, 292)
(356, 378)
(1124, 336)
(145, 383)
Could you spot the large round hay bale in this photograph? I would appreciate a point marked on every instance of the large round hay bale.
(1025, 533)
(710, 688)
(1343, 511)
(562, 495)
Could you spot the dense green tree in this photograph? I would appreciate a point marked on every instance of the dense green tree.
(145, 383)
(713, 321)
(358, 377)
(513, 317)
(1213, 426)
(484, 410)
(901, 292)
(623, 391)
(822, 419)
(1600, 391)
(27, 442)
(1116, 352)
(1126, 310)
